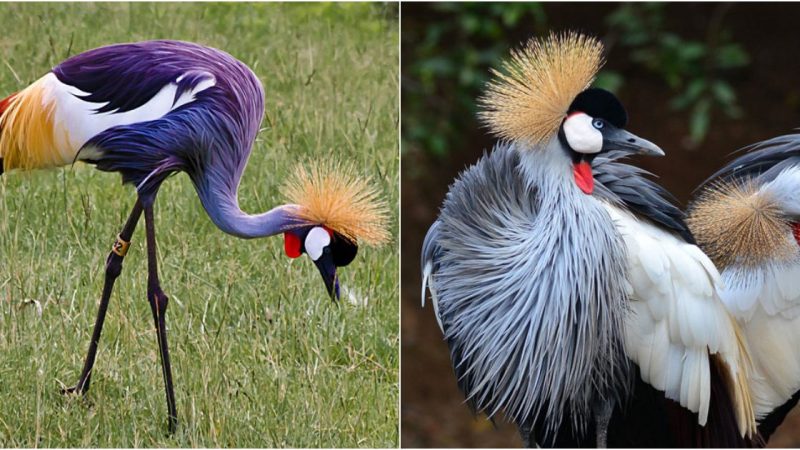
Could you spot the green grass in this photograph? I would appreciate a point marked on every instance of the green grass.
(260, 356)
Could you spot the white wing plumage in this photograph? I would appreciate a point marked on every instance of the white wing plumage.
(78, 120)
(677, 319)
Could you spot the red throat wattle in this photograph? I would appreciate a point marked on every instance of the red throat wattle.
(583, 176)
(291, 245)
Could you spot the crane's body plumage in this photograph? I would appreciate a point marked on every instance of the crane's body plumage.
(122, 85)
(532, 318)
(678, 331)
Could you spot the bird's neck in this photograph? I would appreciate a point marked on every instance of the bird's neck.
(549, 171)
(221, 202)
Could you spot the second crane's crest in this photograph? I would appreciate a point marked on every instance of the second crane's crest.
(737, 222)
(530, 97)
(331, 194)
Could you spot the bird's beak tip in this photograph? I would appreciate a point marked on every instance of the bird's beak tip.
(655, 151)
(332, 286)
(648, 148)
(633, 144)
(329, 276)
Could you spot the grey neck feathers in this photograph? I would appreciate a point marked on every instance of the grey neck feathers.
(530, 289)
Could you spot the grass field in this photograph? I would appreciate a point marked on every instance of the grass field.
(260, 356)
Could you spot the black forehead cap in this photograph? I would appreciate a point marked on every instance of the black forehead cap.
(602, 104)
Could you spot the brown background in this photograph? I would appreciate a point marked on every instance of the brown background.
(769, 93)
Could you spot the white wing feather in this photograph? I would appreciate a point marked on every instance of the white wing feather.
(677, 319)
(81, 121)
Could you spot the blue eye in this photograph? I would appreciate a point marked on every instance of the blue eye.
(598, 123)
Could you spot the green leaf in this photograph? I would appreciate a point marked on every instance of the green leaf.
(723, 93)
(699, 121)
(609, 80)
(696, 88)
(691, 51)
(731, 56)
(437, 145)
(470, 23)
(511, 16)
(437, 66)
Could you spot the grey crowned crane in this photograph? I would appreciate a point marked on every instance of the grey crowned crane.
(568, 288)
(747, 219)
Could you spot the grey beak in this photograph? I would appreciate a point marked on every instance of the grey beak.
(620, 139)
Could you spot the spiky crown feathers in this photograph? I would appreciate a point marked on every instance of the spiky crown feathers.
(735, 223)
(532, 93)
(332, 195)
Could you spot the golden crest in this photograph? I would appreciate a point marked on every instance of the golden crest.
(331, 194)
(530, 97)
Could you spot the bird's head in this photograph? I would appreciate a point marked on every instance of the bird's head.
(544, 91)
(328, 250)
(595, 123)
(338, 210)
(747, 215)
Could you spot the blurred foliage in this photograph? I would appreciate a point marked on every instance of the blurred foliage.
(695, 70)
(448, 52)
(442, 78)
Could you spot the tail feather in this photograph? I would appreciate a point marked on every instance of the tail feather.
(29, 136)
(4, 103)
(649, 419)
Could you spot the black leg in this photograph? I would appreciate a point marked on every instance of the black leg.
(113, 269)
(158, 305)
(603, 410)
(528, 440)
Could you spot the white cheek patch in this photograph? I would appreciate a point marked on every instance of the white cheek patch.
(581, 135)
(316, 241)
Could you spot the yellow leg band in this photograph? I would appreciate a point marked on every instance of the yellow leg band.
(120, 247)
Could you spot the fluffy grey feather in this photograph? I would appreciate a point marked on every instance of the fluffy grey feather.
(528, 274)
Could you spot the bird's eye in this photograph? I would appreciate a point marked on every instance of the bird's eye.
(598, 123)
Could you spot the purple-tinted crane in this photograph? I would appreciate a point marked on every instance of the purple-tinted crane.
(148, 110)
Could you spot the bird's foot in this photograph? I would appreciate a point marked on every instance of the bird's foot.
(80, 388)
(173, 425)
